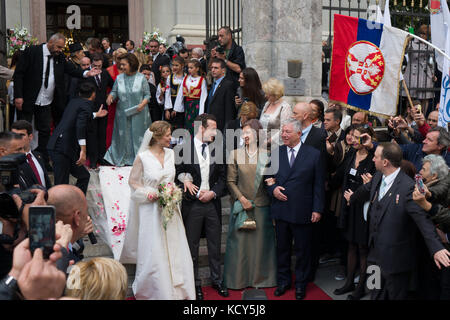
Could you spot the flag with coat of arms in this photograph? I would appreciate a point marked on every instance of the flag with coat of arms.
(366, 65)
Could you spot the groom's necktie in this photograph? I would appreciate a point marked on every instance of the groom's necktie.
(203, 150)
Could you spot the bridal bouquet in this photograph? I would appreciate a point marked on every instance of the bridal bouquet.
(169, 197)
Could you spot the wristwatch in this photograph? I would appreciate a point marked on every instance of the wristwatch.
(9, 285)
(226, 61)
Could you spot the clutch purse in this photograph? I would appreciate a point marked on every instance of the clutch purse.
(132, 111)
(243, 221)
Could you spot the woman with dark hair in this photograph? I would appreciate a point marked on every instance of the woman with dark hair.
(317, 115)
(250, 256)
(250, 89)
(133, 92)
(357, 165)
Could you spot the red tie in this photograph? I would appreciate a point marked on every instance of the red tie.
(33, 167)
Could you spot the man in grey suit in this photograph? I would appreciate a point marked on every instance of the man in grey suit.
(393, 216)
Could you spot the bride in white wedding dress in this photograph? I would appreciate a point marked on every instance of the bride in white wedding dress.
(164, 269)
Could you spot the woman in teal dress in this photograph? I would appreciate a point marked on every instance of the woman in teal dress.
(250, 256)
(132, 117)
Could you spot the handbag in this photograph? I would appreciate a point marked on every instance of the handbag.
(132, 111)
(244, 221)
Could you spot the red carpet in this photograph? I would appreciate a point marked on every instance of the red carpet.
(313, 292)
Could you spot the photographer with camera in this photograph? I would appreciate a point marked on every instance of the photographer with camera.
(232, 54)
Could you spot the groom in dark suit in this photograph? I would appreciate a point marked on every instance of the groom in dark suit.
(393, 219)
(67, 145)
(298, 195)
(204, 181)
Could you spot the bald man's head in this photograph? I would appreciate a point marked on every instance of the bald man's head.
(71, 207)
(360, 118)
(433, 119)
(302, 112)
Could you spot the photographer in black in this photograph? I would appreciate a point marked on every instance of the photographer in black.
(231, 53)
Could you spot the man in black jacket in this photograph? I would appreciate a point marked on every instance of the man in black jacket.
(39, 87)
(67, 146)
(33, 170)
(220, 102)
(232, 54)
(393, 218)
(159, 60)
(96, 142)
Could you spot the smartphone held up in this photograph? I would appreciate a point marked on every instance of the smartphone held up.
(42, 229)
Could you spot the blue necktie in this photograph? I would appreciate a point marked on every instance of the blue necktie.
(211, 94)
(292, 159)
(382, 189)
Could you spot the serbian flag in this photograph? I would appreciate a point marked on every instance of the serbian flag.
(366, 65)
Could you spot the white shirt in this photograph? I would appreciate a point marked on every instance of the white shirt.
(155, 56)
(168, 98)
(389, 180)
(45, 96)
(191, 82)
(204, 164)
(38, 167)
(296, 149)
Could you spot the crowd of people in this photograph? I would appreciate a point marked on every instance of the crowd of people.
(307, 179)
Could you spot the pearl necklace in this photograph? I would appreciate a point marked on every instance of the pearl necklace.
(250, 155)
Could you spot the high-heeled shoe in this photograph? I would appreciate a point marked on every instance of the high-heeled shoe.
(345, 289)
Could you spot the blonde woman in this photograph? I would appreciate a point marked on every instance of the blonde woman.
(98, 279)
(275, 111)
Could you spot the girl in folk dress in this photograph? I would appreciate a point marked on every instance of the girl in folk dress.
(163, 86)
(193, 95)
(174, 114)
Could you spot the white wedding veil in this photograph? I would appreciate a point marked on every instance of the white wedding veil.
(145, 141)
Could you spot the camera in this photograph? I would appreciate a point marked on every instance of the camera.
(220, 49)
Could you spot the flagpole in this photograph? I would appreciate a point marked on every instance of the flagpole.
(430, 44)
(407, 93)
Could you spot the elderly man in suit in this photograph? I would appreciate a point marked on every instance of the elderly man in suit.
(33, 170)
(220, 100)
(67, 146)
(39, 87)
(298, 197)
(393, 220)
(204, 181)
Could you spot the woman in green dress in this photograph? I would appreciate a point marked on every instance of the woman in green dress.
(250, 256)
(132, 117)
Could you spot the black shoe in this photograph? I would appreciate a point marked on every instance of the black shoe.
(300, 293)
(198, 293)
(281, 290)
(221, 290)
(344, 290)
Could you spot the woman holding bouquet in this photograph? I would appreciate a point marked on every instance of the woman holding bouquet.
(155, 239)
(250, 256)
(132, 118)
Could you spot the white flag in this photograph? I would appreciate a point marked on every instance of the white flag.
(387, 14)
(444, 104)
(439, 16)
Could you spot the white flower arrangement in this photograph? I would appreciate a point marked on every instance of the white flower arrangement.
(19, 39)
(145, 42)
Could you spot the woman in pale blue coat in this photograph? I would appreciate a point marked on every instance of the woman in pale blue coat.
(132, 117)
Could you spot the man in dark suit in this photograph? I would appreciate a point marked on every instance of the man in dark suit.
(298, 197)
(33, 170)
(67, 146)
(159, 60)
(203, 175)
(393, 218)
(220, 102)
(39, 86)
(96, 142)
(314, 137)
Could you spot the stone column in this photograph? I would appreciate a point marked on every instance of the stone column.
(136, 20)
(38, 20)
(275, 31)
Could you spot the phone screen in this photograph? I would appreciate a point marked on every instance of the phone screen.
(42, 229)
